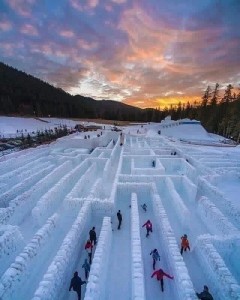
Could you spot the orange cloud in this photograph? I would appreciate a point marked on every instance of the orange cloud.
(162, 102)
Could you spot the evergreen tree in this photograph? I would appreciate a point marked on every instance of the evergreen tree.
(215, 95)
(205, 97)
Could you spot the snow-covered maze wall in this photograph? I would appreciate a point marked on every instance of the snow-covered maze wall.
(51, 196)
(99, 270)
(138, 288)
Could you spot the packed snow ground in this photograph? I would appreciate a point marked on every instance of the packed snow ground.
(51, 196)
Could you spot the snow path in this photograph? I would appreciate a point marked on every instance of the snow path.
(119, 265)
(153, 288)
(193, 227)
(96, 222)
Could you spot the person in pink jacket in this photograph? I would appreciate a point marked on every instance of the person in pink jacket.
(88, 248)
(160, 274)
(148, 225)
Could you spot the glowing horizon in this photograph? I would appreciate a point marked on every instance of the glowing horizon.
(152, 53)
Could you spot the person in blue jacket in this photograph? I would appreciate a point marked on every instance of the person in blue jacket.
(76, 284)
(155, 257)
(86, 267)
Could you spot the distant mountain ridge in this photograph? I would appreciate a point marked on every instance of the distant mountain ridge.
(23, 94)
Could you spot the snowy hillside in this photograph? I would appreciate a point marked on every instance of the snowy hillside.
(52, 195)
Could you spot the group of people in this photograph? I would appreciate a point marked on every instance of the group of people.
(76, 281)
(205, 295)
(155, 255)
(185, 245)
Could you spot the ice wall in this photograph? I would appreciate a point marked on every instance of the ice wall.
(138, 288)
(54, 281)
(177, 265)
(19, 270)
(99, 269)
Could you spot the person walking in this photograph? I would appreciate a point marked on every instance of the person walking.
(144, 207)
(148, 225)
(92, 236)
(184, 244)
(155, 257)
(86, 267)
(88, 248)
(119, 216)
(76, 284)
(160, 274)
(205, 295)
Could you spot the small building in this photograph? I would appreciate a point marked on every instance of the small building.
(79, 127)
(93, 127)
(82, 128)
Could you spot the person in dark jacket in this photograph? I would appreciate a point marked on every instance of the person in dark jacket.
(86, 267)
(160, 274)
(92, 236)
(155, 257)
(184, 244)
(76, 284)
(119, 216)
(144, 207)
(205, 295)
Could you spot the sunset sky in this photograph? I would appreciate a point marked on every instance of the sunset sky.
(147, 53)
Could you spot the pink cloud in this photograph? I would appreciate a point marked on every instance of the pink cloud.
(67, 33)
(86, 5)
(119, 1)
(5, 25)
(21, 7)
(11, 48)
(92, 3)
(75, 4)
(108, 7)
(29, 29)
(86, 45)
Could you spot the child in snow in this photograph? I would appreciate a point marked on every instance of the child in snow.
(144, 207)
(148, 225)
(205, 295)
(153, 163)
(86, 267)
(88, 248)
(160, 274)
(155, 257)
(184, 244)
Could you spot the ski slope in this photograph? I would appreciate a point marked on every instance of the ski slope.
(51, 196)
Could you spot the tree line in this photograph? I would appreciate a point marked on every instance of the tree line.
(218, 114)
(22, 94)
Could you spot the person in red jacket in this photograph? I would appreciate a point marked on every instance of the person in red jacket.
(184, 244)
(148, 225)
(160, 274)
(88, 248)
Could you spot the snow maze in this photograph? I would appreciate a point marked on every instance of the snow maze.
(51, 196)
